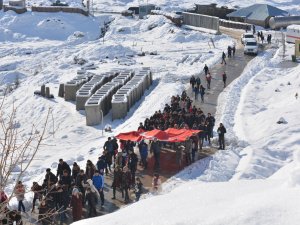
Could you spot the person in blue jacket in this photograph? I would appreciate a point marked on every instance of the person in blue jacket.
(98, 182)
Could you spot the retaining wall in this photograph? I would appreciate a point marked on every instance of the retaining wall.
(59, 9)
(199, 20)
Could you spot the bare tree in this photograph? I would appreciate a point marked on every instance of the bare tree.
(17, 150)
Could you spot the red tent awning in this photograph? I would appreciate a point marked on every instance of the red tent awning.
(169, 135)
(130, 136)
(159, 134)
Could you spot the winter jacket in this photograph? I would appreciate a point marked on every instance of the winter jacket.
(98, 181)
(62, 167)
(155, 147)
(20, 192)
(101, 165)
(221, 131)
(133, 160)
(93, 188)
(144, 151)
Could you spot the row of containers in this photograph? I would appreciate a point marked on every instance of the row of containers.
(117, 90)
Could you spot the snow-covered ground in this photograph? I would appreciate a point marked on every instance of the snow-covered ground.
(254, 181)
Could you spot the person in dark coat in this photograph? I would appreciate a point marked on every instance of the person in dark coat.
(233, 50)
(196, 91)
(205, 69)
(14, 217)
(125, 185)
(50, 178)
(193, 81)
(223, 58)
(62, 165)
(117, 180)
(90, 169)
(132, 164)
(38, 193)
(224, 78)
(201, 134)
(80, 180)
(198, 82)
(101, 164)
(144, 154)
(109, 148)
(91, 199)
(229, 51)
(208, 80)
(138, 189)
(75, 171)
(66, 181)
(202, 92)
(76, 204)
(44, 213)
(155, 149)
(211, 123)
(221, 131)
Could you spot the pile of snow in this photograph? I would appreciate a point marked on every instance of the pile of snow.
(52, 26)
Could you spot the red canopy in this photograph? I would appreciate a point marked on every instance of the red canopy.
(169, 135)
(159, 134)
(180, 135)
(130, 136)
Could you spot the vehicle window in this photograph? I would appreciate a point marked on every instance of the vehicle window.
(251, 43)
(249, 36)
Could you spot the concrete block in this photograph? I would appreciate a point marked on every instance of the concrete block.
(61, 90)
(43, 90)
(47, 92)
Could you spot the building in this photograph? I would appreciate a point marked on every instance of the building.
(257, 14)
(145, 10)
(213, 10)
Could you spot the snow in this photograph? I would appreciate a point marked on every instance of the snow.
(254, 181)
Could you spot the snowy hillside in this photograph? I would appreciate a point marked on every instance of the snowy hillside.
(261, 167)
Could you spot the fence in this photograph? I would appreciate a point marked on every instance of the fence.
(59, 9)
(199, 20)
(235, 25)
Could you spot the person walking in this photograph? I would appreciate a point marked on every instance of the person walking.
(156, 183)
(198, 82)
(126, 181)
(205, 69)
(221, 132)
(132, 164)
(98, 182)
(229, 51)
(155, 148)
(224, 78)
(233, 50)
(208, 80)
(202, 93)
(91, 199)
(20, 195)
(144, 154)
(117, 180)
(196, 91)
(223, 58)
(193, 81)
(138, 189)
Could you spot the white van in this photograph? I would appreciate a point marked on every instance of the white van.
(292, 33)
(251, 47)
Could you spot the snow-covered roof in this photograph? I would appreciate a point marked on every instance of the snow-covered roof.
(258, 12)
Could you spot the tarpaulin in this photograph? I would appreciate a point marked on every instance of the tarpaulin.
(130, 136)
(169, 135)
(159, 134)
